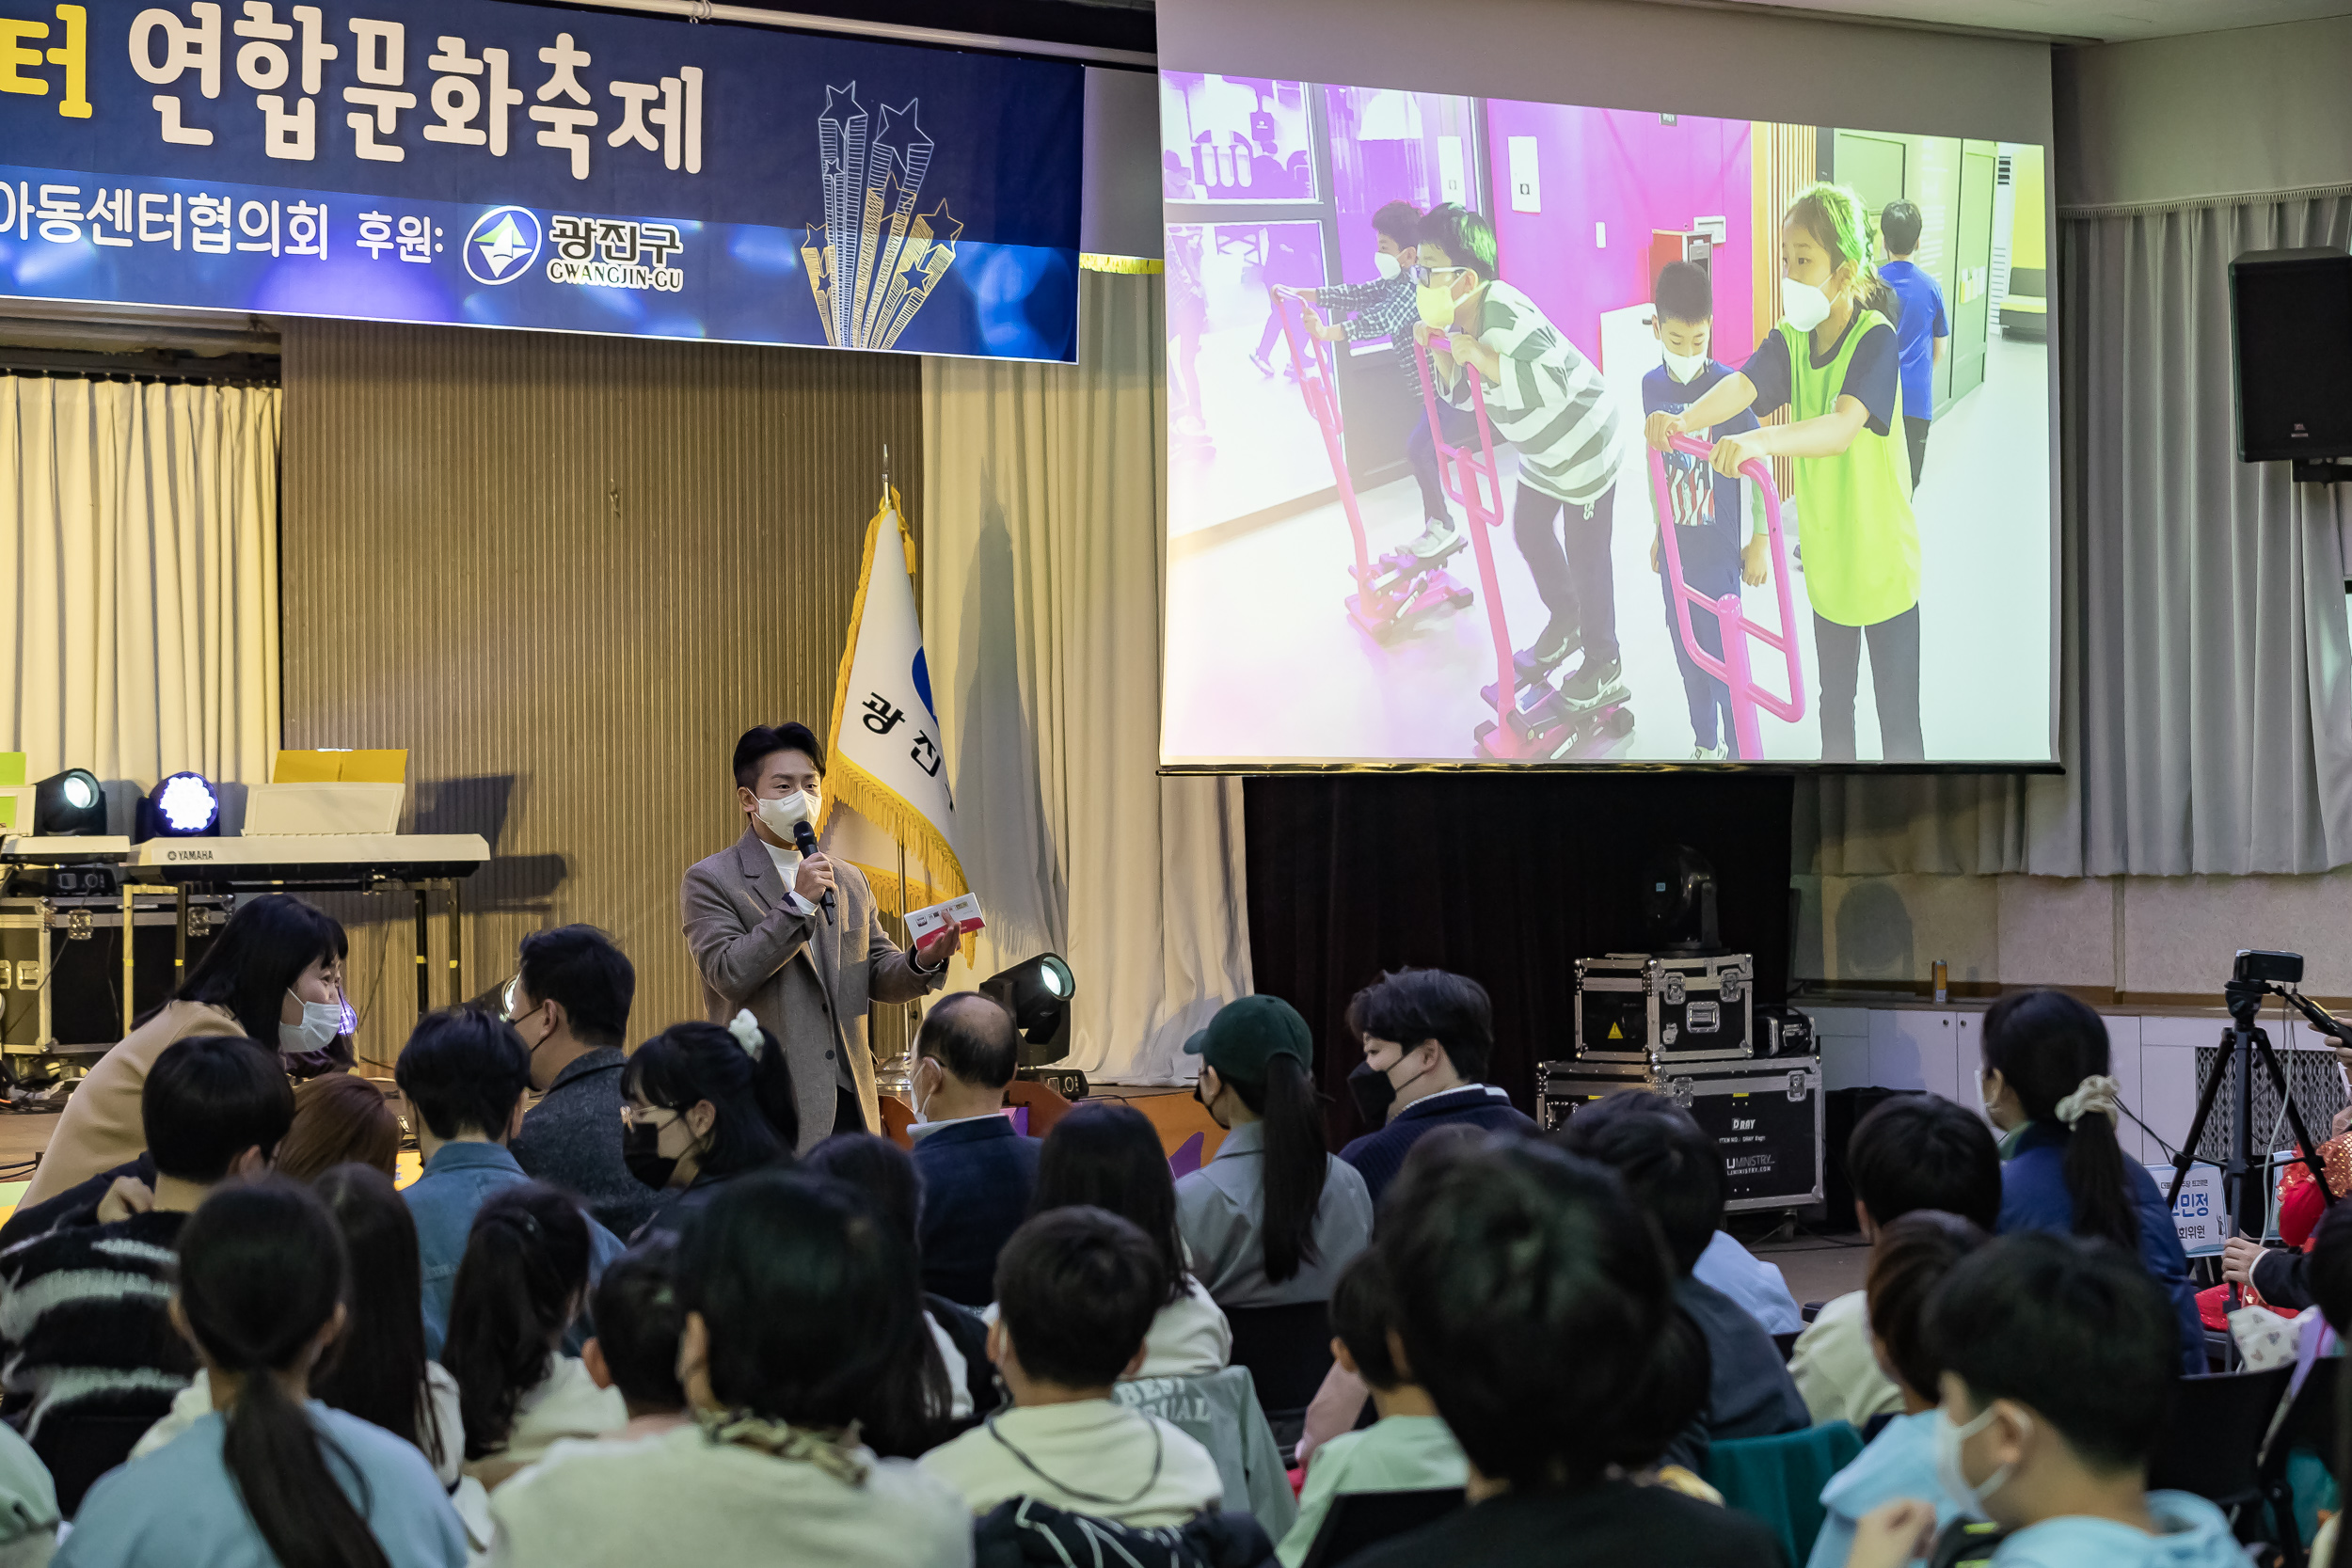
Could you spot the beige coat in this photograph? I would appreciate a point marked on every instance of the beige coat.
(101, 1127)
(808, 982)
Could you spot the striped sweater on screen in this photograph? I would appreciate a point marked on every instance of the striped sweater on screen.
(1549, 401)
(85, 1325)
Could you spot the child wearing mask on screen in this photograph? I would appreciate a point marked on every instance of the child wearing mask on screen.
(1548, 400)
(1834, 363)
(1705, 504)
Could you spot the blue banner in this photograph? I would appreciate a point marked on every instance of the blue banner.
(492, 164)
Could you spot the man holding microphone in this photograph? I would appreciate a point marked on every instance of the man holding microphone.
(794, 936)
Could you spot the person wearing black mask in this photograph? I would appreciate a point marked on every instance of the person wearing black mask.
(701, 1105)
(1425, 1036)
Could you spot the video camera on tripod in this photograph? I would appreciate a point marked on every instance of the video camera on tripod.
(2256, 974)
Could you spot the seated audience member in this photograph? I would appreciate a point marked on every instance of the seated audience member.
(1911, 1152)
(523, 1281)
(635, 1347)
(703, 1106)
(1407, 1449)
(1273, 1218)
(930, 1392)
(977, 1170)
(795, 1298)
(2282, 1278)
(380, 1371)
(1674, 1170)
(1106, 1154)
(2058, 1355)
(270, 1475)
(339, 1119)
(2046, 1083)
(1425, 1036)
(462, 1076)
(273, 974)
(569, 1003)
(1076, 1289)
(1909, 1258)
(1758, 1287)
(1534, 1303)
(91, 1357)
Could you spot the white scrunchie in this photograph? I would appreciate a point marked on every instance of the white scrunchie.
(2094, 1096)
(745, 1028)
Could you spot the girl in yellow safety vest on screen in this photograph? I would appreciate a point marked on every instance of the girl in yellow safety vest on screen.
(1834, 363)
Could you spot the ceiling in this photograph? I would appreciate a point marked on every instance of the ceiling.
(2105, 19)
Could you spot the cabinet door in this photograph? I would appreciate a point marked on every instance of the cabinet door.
(1914, 1050)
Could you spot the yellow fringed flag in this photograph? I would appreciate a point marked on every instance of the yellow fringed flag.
(887, 767)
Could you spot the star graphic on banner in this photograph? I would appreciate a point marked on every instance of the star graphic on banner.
(502, 245)
(849, 93)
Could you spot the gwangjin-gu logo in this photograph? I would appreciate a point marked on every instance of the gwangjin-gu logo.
(502, 244)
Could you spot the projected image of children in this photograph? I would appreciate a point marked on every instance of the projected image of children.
(1485, 376)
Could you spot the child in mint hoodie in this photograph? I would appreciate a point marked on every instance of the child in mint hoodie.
(2058, 1357)
(1909, 1260)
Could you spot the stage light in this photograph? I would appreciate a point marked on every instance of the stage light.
(184, 805)
(1036, 993)
(68, 806)
(1679, 902)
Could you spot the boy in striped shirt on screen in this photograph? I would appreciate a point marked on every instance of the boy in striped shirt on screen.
(1548, 401)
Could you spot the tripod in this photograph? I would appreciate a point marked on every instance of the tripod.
(2240, 1043)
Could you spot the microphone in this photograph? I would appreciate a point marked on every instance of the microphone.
(806, 837)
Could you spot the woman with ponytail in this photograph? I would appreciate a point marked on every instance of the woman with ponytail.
(524, 1278)
(1275, 1217)
(1835, 362)
(2047, 1086)
(271, 1475)
(701, 1105)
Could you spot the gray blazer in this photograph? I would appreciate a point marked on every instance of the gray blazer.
(807, 982)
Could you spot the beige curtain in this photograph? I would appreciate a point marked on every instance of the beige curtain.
(138, 569)
(1041, 585)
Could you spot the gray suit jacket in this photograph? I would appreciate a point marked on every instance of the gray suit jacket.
(807, 982)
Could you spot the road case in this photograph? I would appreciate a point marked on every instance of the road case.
(1764, 1116)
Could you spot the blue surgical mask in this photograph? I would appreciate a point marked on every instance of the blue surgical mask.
(321, 1023)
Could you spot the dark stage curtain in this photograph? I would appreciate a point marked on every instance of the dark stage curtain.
(1507, 878)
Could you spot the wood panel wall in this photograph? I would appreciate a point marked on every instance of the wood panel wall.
(564, 573)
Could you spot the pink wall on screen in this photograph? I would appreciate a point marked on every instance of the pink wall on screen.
(1630, 172)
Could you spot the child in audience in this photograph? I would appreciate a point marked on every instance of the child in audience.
(1076, 1289)
(1704, 505)
(524, 1278)
(1913, 1151)
(634, 1352)
(1553, 405)
(1534, 1303)
(701, 1105)
(2057, 1365)
(462, 1076)
(1834, 362)
(380, 1371)
(1909, 1260)
(1105, 1153)
(271, 1475)
(2047, 1085)
(795, 1299)
(91, 1358)
(339, 1119)
(1408, 1449)
(1674, 1170)
(929, 1393)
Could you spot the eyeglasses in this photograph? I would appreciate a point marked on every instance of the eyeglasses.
(1424, 276)
(507, 995)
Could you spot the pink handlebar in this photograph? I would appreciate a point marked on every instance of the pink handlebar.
(1734, 668)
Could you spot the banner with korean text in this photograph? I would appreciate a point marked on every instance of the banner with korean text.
(483, 163)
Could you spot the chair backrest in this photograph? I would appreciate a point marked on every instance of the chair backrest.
(1779, 1479)
(1360, 1519)
(2311, 1419)
(2216, 1429)
(1287, 1349)
(1046, 1106)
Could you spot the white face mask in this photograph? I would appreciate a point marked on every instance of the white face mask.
(1386, 265)
(1803, 306)
(1684, 367)
(1949, 1436)
(321, 1023)
(782, 814)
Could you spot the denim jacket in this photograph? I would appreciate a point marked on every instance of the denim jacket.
(457, 1182)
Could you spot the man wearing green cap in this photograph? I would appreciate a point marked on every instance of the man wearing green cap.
(1274, 1218)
